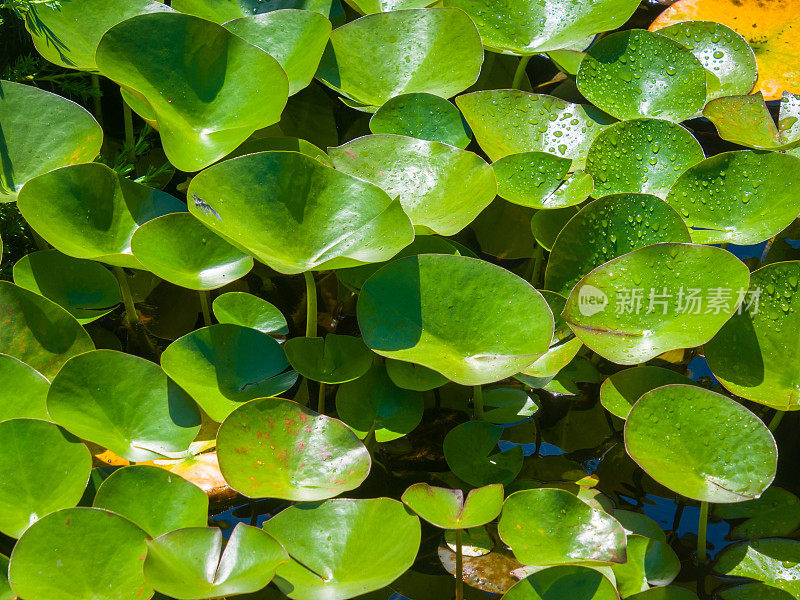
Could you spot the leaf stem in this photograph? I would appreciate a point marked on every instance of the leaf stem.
(204, 304)
(702, 528)
(776, 420)
(311, 304)
(127, 116)
(127, 298)
(321, 399)
(520, 72)
(477, 400)
(98, 105)
(459, 567)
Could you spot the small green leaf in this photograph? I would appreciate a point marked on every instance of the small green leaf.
(621, 391)
(469, 449)
(776, 562)
(24, 391)
(776, 513)
(540, 180)
(574, 582)
(332, 359)
(247, 310)
(447, 509)
(650, 562)
(422, 116)
(413, 377)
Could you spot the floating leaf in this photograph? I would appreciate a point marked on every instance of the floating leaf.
(440, 187)
(222, 12)
(639, 524)
(123, 403)
(575, 582)
(621, 391)
(41, 132)
(413, 377)
(650, 562)
(422, 116)
(469, 450)
(775, 513)
(669, 433)
(746, 120)
(24, 391)
(247, 310)
(635, 73)
(332, 359)
(509, 405)
(540, 180)
(447, 509)
(344, 548)
(469, 320)
(202, 113)
(609, 311)
(750, 591)
(90, 211)
(287, 210)
(774, 562)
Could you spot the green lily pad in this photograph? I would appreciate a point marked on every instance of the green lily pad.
(723, 52)
(776, 562)
(440, 187)
(540, 180)
(37, 331)
(532, 27)
(89, 211)
(742, 197)
(190, 563)
(344, 548)
(776, 513)
(607, 229)
(753, 355)
(24, 391)
(671, 593)
(547, 526)
(622, 390)
(41, 132)
(701, 444)
(80, 553)
(471, 321)
(202, 113)
(509, 405)
(547, 224)
(180, 249)
(86, 289)
(295, 38)
(639, 524)
(46, 470)
(123, 403)
(749, 591)
(511, 122)
(650, 562)
(332, 359)
(373, 403)
(413, 377)
(426, 50)
(222, 11)
(448, 509)
(564, 345)
(746, 120)
(287, 210)
(422, 116)
(636, 73)
(641, 156)
(554, 583)
(469, 449)
(275, 448)
(631, 309)
(224, 365)
(247, 310)
(155, 499)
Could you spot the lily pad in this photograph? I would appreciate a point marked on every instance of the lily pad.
(286, 209)
(631, 309)
(469, 449)
(650, 562)
(776, 513)
(373, 403)
(547, 526)
(295, 38)
(275, 448)
(332, 359)
(41, 132)
(606, 229)
(509, 405)
(635, 73)
(344, 548)
(447, 509)
(639, 524)
(754, 353)
(422, 116)
(80, 553)
(742, 197)
(564, 345)
(38, 331)
(86, 289)
(46, 470)
(208, 88)
(426, 50)
(511, 121)
(669, 433)
(413, 377)
(227, 10)
(532, 27)
(247, 310)
(554, 583)
(191, 563)
(90, 211)
(622, 390)
(180, 249)
(547, 224)
(746, 120)
(772, 561)
(123, 403)
(643, 156)
(750, 591)
(540, 180)
(153, 498)
(440, 187)
(24, 391)
(469, 320)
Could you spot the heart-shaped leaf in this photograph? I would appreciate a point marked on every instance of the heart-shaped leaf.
(247, 310)
(701, 444)
(154, 499)
(344, 548)
(654, 299)
(41, 132)
(469, 320)
(622, 390)
(190, 563)
(332, 359)
(650, 562)
(547, 526)
(224, 365)
(123, 403)
(208, 89)
(422, 116)
(579, 583)
(89, 211)
(275, 448)
(540, 180)
(288, 211)
(24, 391)
(46, 469)
(440, 187)
(469, 449)
(448, 509)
